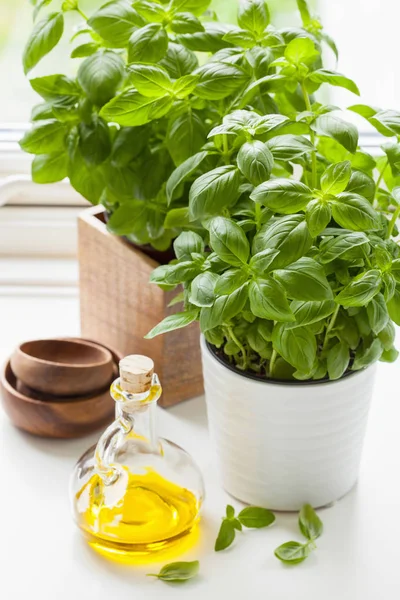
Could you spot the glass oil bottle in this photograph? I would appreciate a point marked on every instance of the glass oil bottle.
(135, 494)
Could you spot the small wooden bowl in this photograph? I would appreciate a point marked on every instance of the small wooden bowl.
(55, 419)
(63, 367)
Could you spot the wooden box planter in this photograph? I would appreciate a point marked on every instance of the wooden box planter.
(119, 306)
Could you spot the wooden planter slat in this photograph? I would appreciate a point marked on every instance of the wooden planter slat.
(119, 306)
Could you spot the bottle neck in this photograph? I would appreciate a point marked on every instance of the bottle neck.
(136, 413)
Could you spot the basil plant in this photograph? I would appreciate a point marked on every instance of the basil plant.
(151, 79)
(296, 272)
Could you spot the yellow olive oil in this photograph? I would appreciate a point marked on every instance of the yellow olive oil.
(150, 515)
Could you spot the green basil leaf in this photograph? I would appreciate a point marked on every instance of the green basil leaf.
(305, 280)
(285, 196)
(151, 11)
(255, 161)
(210, 40)
(45, 36)
(289, 147)
(339, 245)
(49, 168)
(115, 22)
(179, 61)
(224, 309)
(343, 132)
(336, 178)
(197, 7)
(352, 211)
(362, 184)
(241, 37)
(42, 112)
(230, 281)
(268, 300)
(214, 191)
(186, 243)
(178, 571)
(219, 80)
(150, 80)
(186, 135)
(256, 517)
(45, 137)
(297, 346)
(132, 109)
(100, 75)
(389, 119)
(392, 151)
(269, 123)
(260, 263)
(361, 290)
(226, 535)
(394, 307)
(185, 86)
(292, 553)
(88, 180)
(182, 173)
(309, 523)
(377, 312)
(51, 87)
(318, 216)
(253, 15)
(85, 50)
(390, 355)
(301, 50)
(202, 289)
(186, 23)
(148, 44)
(367, 355)
(287, 234)
(229, 241)
(307, 313)
(333, 78)
(172, 322)
(230, 512)
(94, 141)
(338, 360)
(387, 335)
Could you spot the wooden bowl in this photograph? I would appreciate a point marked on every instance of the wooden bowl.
(63, 367)
(68, 419)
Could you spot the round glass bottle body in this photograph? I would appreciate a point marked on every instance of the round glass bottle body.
(135, 493)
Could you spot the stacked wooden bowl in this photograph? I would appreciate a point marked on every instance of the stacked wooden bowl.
(59, 388)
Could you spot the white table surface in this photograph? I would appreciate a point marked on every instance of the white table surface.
(43, 556)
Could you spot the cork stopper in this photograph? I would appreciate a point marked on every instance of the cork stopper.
(136, 373)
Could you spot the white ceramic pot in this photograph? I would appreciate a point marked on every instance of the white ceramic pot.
(282, 445)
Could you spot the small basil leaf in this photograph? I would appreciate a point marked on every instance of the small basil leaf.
(45, 36)
(307, 313)
(387, 336)
(148, 44)
(224, 309)
(150, 80)
(172, 322)
(213, 191)
(253, 15)
(318, 216)
(284, 196)
(309, 522)
(49, 168)
(292, 553)
(297, 346)
(338, 360)
(182, 173)
(333, 78)
(100, 75)
(352, 211)
(366, 355)
(394, 307)
(255, 161)
(178, 571)
(305, 280)
(261, 262)
(377, 312)
(186, 243)
(230, 281)
(268, 300)
(131, 109)
(115, 22)
(336, 247)
(361, 290)
(343, 132)
(226, 536)
(202, 289)
(289, 147)
(256, 517)
(229, 241)
(230, 512)
(336, 177)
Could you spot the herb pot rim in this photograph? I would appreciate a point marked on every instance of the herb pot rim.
(279, 382)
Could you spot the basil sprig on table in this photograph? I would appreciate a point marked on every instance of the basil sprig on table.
(178, 572)
(291, 264)
(311, 527)
(251, 517)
